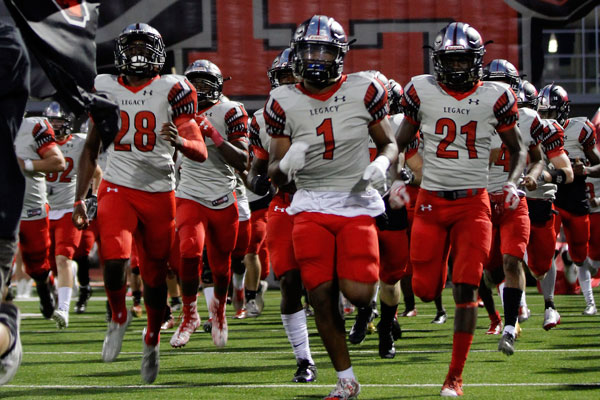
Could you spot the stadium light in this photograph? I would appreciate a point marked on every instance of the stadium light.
(552, 44)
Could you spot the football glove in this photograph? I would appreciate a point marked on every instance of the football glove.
(91, 205)
(399, 196)
(512, 195)
(260, 184)
(375, 172)
(294, 159)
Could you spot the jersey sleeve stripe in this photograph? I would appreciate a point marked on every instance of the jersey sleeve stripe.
(506, 111)
(182, 98)
(274, 118)
(236, 120)
(411, 104)
(376, 101)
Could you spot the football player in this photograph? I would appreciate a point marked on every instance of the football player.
(320, 130)
(136, 197)
(207, 211)
(457, 115)
(279, 229)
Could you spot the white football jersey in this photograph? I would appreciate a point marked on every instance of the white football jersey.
(335, 127)
(33, 138)
(593, 190)
(579, 135)
(139, 158)
(531, 129)
(61, 185)
(457, 129)
(212, 182)
(259, 141)
(395, 121)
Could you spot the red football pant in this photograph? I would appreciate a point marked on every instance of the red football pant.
(594, 244)
(198, 225)
(465, 225)
(393, 255)
(243, 239)
(540, 250)
(279, 237)
(577, 233)
(124, 211)
(64, 238)
(257, 244)
(327, 246)
(34, 243)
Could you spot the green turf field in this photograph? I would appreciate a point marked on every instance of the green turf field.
(257, 363)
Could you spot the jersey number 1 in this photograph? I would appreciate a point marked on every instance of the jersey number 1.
(326, 129)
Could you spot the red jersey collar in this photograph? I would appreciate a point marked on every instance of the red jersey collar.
(460, 95)
(61, 142)
(325, 95)
(136, 89)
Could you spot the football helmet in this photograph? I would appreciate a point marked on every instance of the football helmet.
(60, 119)
(207, 78)
(319, 46)
(395, 93)
(503, 71)
(281, 71)
(140, 51)
(458, 56)
(553, 103)
(527, 95)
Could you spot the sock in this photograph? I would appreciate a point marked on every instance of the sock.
(83, 270)
(297, 333)
(250, 295)
(346, 374)
(188, 300)
(64, 298)
(547, 285)
(116, 299)
(137, 296)
(509, 329)
(585, 281)
(523, 302)
(209, 293)
(461, 344)
(495, 317)
(387, 315)
(237, 281)
(501, 293)
(155, 320)
(512, 297)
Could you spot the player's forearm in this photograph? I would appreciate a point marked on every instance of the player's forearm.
(52, 163)
(235, 156)
(96, 179)
(88, 162)
(192, 146)
(276, 175)
(593, 171)
(518, 159)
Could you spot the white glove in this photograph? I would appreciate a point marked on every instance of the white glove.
(294, 159)
(399, 196)
(511, 195)
(375, 172)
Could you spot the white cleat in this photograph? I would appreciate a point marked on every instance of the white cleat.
(188, 325)
(114, 339)
(524, 314)
(61, 317)
(260, 295)
(252, 309)
(9, 364)
(590, 310)
(551, 318)
(150, 360)
(219, 324)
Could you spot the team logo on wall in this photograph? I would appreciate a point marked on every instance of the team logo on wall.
(74, 11)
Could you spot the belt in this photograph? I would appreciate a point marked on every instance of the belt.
(456, 194)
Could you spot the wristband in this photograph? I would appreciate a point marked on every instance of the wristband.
(558, 176)
(28, 165)
(78, 202)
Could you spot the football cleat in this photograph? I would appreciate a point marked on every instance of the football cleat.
(409, 313)
(507, 344)
(207, 326)
(150, 360)
(260, 295)
(590, 310)
(11, 360)
(114, 339)
(452, 387)
(85, 292)
(252, 309)
(359, 329)
(306, 372)
(136, 310)
(371, 328)
(189, 323)
(440, 317)
(524, 313)
(308, 310)
(47, 303)
(386, 342)
(219, 323)
(175, 304)
(495, 327)
(240, 314)
(61, 317)
(396, 329)
(346, 388)
(551, 318)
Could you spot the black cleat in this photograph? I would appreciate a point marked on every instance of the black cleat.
(359, 329)
(507, 344)
(306, 372)
(47, 304)
(440, 317)
(396, 330)
(85, 292)
(386, 342)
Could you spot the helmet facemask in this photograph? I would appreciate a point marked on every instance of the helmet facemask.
(208, 87)
(318, 63)
(459, 70)
(139, 53)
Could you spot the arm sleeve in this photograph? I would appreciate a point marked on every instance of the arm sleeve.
(411, 104)
(506, 111)
(193, 146)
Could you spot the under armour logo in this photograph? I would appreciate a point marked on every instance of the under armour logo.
(109, 189)
(343, 98)
(149, 92)
(282, 209)
(476, 101)
(427, 207)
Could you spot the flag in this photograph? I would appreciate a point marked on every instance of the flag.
(61, 35)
